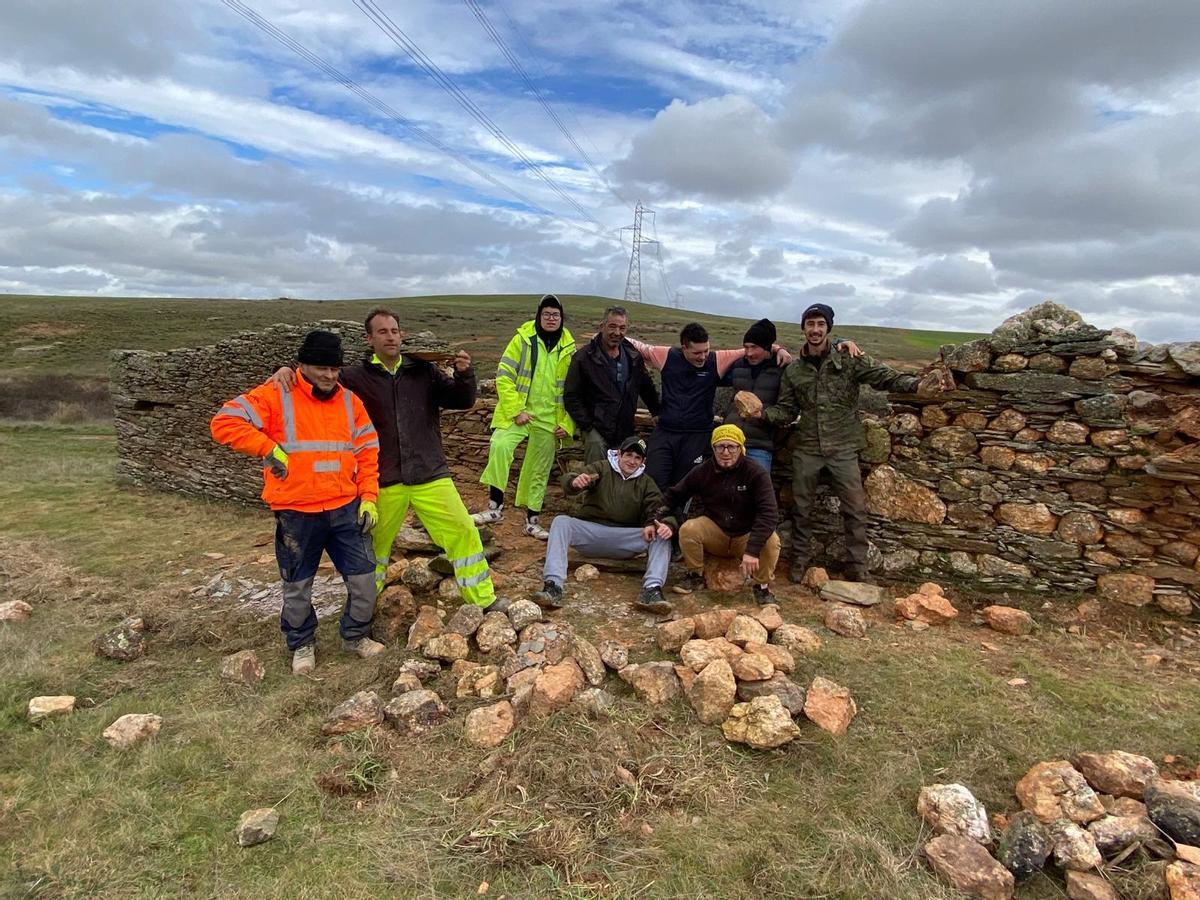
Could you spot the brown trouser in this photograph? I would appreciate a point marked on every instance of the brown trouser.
(847, 484)
(702, 535)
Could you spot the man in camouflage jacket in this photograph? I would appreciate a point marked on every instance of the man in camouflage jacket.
(822, 388)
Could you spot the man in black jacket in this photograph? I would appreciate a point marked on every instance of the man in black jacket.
(404, 397)
(759, 374)
(603, 385)
(740, 514)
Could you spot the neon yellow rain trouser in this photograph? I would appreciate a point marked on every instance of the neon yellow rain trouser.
(535, 468)
(444, 516)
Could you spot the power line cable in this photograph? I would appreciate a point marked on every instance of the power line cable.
(350, 84)
(414, 52)
(545, 77)
(515, 62)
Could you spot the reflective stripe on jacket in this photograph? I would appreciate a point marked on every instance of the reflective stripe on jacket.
(332, 447)
(515, 376)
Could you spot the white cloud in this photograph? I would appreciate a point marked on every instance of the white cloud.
(719, 148)
(924, 164)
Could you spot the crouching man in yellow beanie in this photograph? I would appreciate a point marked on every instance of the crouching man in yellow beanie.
(740, 515)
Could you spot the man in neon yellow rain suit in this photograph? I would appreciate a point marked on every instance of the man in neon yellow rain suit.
(529, 385)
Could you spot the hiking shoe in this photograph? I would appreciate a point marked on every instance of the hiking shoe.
(862, 576)
(651, 600)
(549, 597)
(688, 583)
(304, 659)
(363, 647)
(500, 604)
(762, 594)
(534, 530)
(799, 569)
(494, 513)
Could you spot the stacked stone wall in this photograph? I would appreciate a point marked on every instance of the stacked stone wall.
(1067, 458)
(163, 402)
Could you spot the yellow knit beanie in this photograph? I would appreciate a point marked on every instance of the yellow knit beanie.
(729, 433)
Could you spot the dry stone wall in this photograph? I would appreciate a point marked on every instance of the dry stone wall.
(1067, 459)
(163, 402)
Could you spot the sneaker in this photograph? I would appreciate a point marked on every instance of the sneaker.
(689, 583)
(304, 659)
(500, 604)
(651, 600)
(762, 594)
(363, 647)
(549, 597)
(799, 568)
(535, 530)
(494, 513)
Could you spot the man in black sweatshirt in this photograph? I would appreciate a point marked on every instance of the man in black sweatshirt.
(740, 514)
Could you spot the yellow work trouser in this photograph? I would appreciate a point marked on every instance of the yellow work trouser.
(535, 468)
(444, 516)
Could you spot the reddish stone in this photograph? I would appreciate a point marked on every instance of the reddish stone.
(1064, 432)
(1029, 518)
(1009, 420)
(1127, 588)
(1080, 528)
(998, 457)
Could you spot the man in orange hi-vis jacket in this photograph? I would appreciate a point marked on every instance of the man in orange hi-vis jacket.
(320, 458)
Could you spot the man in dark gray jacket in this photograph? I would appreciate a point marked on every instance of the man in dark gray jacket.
(616, 521)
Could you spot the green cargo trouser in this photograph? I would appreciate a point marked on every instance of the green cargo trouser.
(847, 484)
(595, 447)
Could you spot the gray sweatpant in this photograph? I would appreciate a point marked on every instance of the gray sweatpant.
(606, 542)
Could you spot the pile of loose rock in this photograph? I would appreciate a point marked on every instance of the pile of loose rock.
(1100, 810)
(512, 664)
(730, 656)
(523, 666)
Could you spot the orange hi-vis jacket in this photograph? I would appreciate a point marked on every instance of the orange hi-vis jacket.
(332, 447)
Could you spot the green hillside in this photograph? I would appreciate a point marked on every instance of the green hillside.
(74, 335)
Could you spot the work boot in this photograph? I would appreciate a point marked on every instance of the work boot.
(651, 600)
(494, 513)
(304, 659)
(549, 597)
(860, 575)
(689, 583)
(762, 594)
(500, 604)
(362, 647)
(799, 567)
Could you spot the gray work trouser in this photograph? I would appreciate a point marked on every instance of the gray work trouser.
(606, 542)
(847, 484)
(595, 447)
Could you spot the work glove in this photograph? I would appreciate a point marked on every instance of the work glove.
(368, 515)
(277, 462)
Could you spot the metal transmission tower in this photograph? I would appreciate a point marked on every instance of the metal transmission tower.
(633, 281)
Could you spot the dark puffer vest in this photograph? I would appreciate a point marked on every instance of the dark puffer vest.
(765, 386)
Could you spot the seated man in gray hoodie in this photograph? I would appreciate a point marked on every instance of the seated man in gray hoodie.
(615, 521)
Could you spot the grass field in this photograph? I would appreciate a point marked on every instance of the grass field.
(74, 335)
(545, 815)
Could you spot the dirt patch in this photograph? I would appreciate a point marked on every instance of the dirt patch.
(45, 330)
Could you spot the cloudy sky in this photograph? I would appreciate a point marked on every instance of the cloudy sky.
(913, 163)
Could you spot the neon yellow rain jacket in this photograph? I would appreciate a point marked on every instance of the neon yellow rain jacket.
(530, 379)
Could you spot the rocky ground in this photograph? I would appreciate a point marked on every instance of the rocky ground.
(744, 671)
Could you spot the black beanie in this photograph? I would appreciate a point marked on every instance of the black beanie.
(321, 348)
(549, 300)
(819, 309)
(761, 333)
